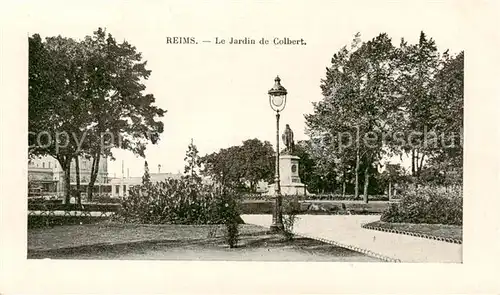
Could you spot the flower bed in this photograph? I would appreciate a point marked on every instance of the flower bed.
(440, 232)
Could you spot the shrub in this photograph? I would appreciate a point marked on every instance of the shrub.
(228, 212)
(427, 205)
(178, 201)
(291, 208)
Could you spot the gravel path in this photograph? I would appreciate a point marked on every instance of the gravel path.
(346, 230)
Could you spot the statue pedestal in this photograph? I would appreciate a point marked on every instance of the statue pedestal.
(289, 177)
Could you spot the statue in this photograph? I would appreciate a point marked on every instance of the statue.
(287, 138)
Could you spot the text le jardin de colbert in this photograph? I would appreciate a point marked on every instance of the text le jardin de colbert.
(237, 41)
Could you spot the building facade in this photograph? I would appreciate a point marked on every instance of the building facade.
(46, 177)
(121, 186)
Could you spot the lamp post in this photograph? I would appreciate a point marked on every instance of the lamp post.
(277, 101)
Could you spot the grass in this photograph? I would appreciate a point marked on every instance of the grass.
(177, 242)
(436, 230)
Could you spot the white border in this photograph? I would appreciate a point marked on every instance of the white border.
(477, 274)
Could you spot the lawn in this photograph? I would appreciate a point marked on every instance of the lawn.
(108, 240)
(436, 230)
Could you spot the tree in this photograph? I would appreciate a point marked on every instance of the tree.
(418, 65)
(120, 109)
(358, 99)
(193, 163)
(334, 115)
(257, 161)
(224, 167)
(445, 156)
(372, 90)
(91, 91)
(56, 109)
(318, 169)
(146, 178)
(392, 174)
(447, 113)
(307, 164)
(232, 167)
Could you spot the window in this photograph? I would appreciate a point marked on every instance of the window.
(49, 164)
(124, 189)
(117, 189)
(43, 164)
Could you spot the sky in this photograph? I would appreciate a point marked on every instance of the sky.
(217, 94)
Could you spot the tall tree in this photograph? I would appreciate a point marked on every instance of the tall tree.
(92, 91)
(124, 117)
(334, 115)
(376, 68)
(358, 99)
(146, 178)
(447, 116)
(56, 109)
(418, 65)
(193, 163)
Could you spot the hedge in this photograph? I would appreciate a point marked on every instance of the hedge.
(322, 197)
(426, 205)
(105, 199)
(305, 207)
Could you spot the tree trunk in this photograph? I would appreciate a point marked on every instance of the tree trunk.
(356, 175)
(67, 184)
(365, 191)
(93, 175)
(419, 168)
(77, 171)
(413, 162)
(389, 192)
(343, 189)
(356, 185)
(66, 167)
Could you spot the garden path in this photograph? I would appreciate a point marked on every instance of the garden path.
(346, 230)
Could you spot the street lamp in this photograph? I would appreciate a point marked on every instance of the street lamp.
(277, 101)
